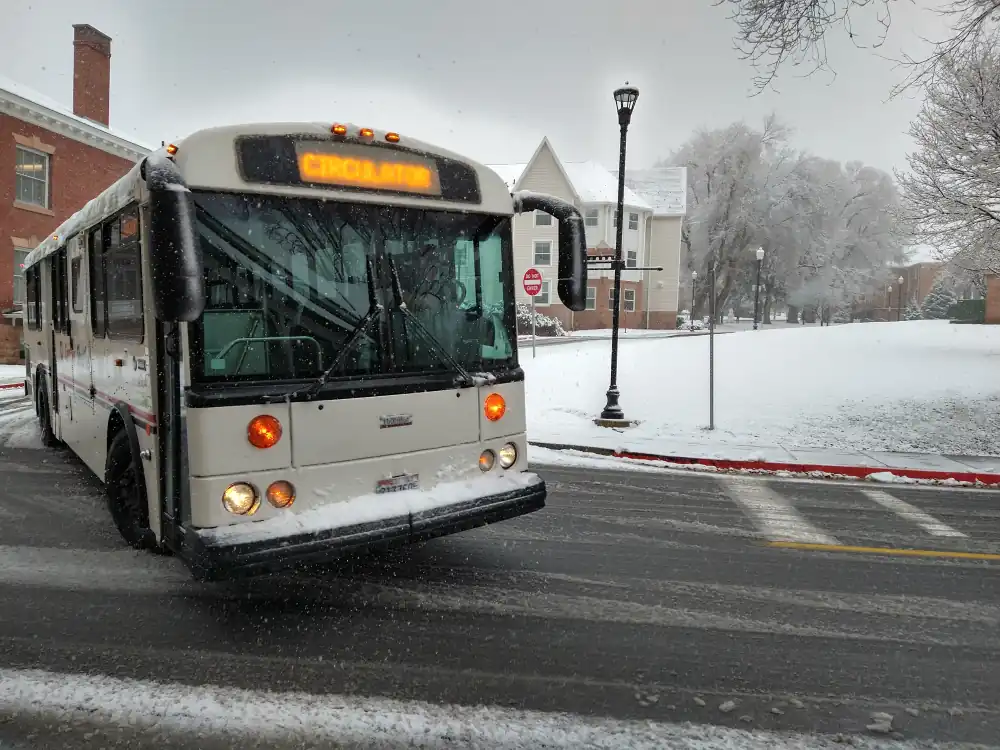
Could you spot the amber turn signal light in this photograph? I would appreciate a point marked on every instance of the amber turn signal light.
(264, 431)
(494, 407)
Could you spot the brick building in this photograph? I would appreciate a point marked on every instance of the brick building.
(52, 161)
(993, 298)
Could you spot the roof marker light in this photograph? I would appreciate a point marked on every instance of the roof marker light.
(339, 130)
(367, 133)
(392, 137)
(171, 149)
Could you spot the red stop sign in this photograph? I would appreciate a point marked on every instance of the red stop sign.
(532, 282)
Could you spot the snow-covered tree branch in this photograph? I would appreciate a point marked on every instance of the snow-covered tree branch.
(829, 231)
(953, 186)
(772, 34)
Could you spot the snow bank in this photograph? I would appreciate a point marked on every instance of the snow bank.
(368, 508)
(922, 386)
(364, 722)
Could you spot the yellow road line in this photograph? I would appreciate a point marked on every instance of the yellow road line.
(886, 551)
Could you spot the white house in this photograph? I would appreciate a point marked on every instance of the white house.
(649, 299)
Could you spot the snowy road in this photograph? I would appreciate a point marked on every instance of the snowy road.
(633, 596)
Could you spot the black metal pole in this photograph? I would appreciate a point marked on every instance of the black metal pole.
(711, 355)
(612, 410)
(756, 297)
(899, 305)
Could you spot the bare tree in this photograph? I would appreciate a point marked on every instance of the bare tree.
(952, 190)
(776, 33)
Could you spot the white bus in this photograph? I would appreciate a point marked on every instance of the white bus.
(281, 343)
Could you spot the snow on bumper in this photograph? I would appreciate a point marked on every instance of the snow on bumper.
(365, 522)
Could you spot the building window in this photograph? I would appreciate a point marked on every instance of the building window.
(542, 298)
(31, 181)
(611, 298)
(542, 219)
(591, 217)
(628, 299)
(631, 258)
(19, 289)
(591, 297)
(614, 221)
(633, 221)
(543, 253)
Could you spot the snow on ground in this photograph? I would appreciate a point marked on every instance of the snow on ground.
(922, 386)
(366, 722)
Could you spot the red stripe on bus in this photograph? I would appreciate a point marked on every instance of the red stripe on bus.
(135, 411)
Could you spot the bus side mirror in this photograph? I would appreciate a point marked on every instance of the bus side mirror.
(178, 273)
(572, 284)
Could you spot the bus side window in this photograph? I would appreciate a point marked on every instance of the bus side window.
(31, 298)
(76, 284)
(124, 280)
(98, 309)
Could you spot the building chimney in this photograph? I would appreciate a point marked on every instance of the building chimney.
(91, 73)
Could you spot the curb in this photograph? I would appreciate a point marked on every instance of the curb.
(725, 464)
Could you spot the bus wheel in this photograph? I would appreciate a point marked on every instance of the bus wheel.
(49, 439)
(130, 514)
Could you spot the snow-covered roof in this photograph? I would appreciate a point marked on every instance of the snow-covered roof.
(664, 187)
(592, 182)
(24, 103)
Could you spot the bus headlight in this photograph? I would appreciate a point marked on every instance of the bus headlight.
(486, 459)
(281, 494)
(241, 499)
(507, 455)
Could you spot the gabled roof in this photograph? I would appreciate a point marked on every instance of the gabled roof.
(589, 181)
(26, 104)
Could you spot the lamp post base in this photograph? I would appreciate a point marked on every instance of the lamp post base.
(611, 409)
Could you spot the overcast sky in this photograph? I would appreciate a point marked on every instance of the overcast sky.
(486, 79)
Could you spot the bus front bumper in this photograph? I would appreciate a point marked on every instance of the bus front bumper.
(210, 560)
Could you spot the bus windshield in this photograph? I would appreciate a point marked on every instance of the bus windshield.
(290, 284)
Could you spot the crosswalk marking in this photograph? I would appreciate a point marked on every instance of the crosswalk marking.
(911, 513)
(774, 516)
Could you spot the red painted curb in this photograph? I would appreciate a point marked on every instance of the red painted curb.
(857, 472)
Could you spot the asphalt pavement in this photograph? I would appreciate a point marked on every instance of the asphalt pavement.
(633, 595)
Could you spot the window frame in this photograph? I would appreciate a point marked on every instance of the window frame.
(611, 298)
(534, 252)
(46, 182)
(592, 214)
(19, 266)
(633, 218)
(544, 292)
(100, 319)
(631, 259)
(542, 219)
(591, 299)
(628, 305)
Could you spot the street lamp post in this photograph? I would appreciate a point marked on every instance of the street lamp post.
(756, 297)
(899, 300)
(888, 304)
(625, 99)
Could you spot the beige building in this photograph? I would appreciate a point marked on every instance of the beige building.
(649, 238)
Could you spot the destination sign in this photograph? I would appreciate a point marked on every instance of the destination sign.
(350, 165)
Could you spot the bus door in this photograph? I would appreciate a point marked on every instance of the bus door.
(61, 346)
(81, 392)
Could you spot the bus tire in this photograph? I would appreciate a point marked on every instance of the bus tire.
(49, 439)
(128, 509)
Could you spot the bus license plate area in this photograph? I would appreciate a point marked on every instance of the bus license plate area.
(398, 483)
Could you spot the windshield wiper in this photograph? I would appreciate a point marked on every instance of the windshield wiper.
(465, 378)
(375, 310)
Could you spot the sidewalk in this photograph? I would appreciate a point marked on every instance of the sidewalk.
(857, 464)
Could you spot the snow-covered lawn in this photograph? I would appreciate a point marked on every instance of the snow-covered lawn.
(922, 386)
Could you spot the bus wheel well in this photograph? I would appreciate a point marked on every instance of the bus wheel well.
(116, 424)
